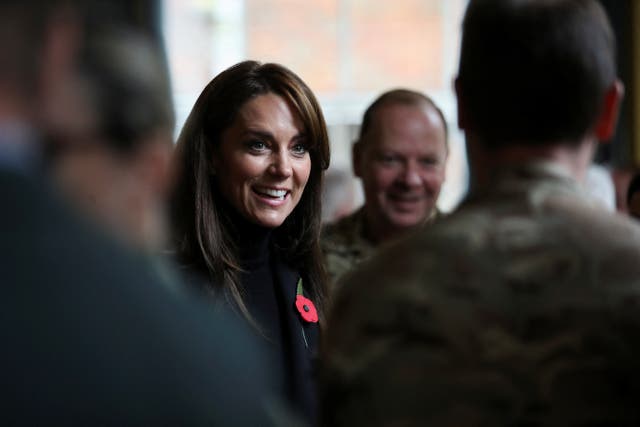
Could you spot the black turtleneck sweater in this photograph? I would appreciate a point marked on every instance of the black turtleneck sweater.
(262, 295)
(269, 289)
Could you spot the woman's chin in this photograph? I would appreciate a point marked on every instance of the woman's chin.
(268, 221)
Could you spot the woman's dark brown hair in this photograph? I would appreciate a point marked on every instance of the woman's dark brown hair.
(202, 235)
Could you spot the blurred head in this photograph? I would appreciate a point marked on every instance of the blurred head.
(115, 167)
(122, 76)
(536, 72)
(255, 141)
(400, 158)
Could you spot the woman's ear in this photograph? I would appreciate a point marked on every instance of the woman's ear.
(608, 118)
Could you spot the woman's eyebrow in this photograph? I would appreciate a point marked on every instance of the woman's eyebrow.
(259, 133)
(269, 136)
(299, 135)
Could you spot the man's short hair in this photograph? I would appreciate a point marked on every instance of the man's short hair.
(127, 85)
(535, 71)
(403, 97)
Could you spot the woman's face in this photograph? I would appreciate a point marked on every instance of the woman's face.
(262, 164)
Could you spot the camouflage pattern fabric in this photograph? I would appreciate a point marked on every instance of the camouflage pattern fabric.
(520, 309)
(345, 244)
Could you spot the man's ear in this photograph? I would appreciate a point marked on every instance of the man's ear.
(608, 118)
(356, 158)
(462, 115)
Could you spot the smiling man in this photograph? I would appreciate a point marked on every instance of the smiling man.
(400, 158)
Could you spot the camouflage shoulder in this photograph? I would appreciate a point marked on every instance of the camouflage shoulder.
(342, 231)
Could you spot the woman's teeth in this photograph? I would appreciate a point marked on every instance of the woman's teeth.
(278, 194)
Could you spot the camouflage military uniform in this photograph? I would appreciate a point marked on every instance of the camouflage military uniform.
(345, 244)
(519, 309)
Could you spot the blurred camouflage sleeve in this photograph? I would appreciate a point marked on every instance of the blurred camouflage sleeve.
(450, 329)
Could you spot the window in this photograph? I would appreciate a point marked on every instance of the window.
(347, 51)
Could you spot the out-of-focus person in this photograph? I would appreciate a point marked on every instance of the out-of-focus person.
(521, 307)
(246, 211)
(116, 168)
(90, 335)
(400, 158)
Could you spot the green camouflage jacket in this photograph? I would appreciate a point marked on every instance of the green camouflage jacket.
(520, 309)
(345, 245)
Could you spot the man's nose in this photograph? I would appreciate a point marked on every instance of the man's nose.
(411, 174)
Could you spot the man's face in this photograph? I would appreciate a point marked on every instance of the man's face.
(401, 161)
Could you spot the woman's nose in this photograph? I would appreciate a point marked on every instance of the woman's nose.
(281, 165)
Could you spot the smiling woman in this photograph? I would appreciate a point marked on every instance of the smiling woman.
(246, 210)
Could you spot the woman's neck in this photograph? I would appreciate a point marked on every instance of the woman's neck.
(252, 240)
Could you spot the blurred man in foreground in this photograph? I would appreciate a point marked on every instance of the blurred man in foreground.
(116, 170)
(90, 336)
(521, 308)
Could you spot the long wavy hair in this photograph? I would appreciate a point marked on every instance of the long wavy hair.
(202, 234)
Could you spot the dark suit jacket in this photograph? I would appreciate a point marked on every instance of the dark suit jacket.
(303, 346)
(89, 336)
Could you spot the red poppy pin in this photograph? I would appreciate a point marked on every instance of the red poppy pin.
(305, 306)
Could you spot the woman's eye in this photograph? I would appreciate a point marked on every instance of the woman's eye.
(256, 145)
(299, 149)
